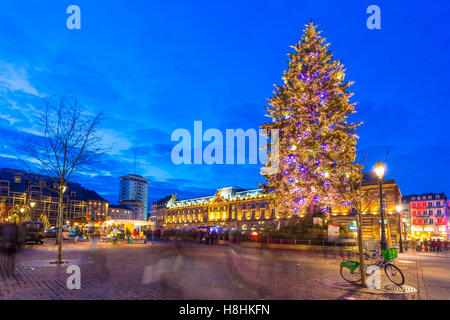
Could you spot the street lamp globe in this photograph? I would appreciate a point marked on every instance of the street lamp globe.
(32, 204)
(398, 208)
(380, 169)
(22, 210)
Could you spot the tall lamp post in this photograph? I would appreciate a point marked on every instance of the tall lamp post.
(379, 171)
(399, 210)
(405, 230)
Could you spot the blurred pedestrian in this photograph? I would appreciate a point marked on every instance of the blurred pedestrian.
(94, 240)
(9, 242)
(200, 237)
(216, 237)
(439, 246)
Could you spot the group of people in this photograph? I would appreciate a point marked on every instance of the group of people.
(155, 234)
(430, 246)
(208, 236)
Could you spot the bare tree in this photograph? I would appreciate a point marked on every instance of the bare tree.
(68, 142)
(357, 195)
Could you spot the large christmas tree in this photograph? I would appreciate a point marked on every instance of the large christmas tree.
(317, 144)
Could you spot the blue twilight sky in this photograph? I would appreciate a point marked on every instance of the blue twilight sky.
(155, 66)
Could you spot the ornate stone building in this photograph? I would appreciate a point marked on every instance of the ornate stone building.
(371, 222)
(237, 209)
(158, 209)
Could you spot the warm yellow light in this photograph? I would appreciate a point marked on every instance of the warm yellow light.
(22, 210)
(32, 204)
(398, 208)
(380, 169)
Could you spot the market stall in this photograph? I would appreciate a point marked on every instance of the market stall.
(125, 231)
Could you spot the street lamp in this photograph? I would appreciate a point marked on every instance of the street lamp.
(32, 204)
(379, 171)
(399, 210)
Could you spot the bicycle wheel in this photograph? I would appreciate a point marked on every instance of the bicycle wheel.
(394, 274)
(349, 275)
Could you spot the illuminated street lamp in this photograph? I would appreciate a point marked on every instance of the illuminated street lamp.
(399, 210)
(379, 171)
(32, 204)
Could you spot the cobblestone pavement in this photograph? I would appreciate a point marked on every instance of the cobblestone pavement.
(200, 272)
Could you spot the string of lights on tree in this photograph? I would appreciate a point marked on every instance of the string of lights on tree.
(317, 144)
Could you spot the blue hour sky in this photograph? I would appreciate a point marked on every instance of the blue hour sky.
(155, 66)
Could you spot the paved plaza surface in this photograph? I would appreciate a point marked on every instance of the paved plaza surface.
(207, 272)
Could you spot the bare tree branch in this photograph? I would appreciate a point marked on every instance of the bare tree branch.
(69, 142)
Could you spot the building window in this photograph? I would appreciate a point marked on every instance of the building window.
(17, 179)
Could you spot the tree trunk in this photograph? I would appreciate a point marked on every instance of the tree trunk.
(362, 266)
(59, 236)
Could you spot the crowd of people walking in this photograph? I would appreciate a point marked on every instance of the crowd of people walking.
(430, 245)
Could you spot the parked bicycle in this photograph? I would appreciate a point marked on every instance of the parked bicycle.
(350, 270)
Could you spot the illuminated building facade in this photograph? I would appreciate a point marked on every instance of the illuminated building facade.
(429, 216)
(120, 212)
(158, 209)
(239, 209)
(371, 222)
(33, 192)
(231, 207)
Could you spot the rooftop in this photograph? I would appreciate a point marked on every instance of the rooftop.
(29, 179)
